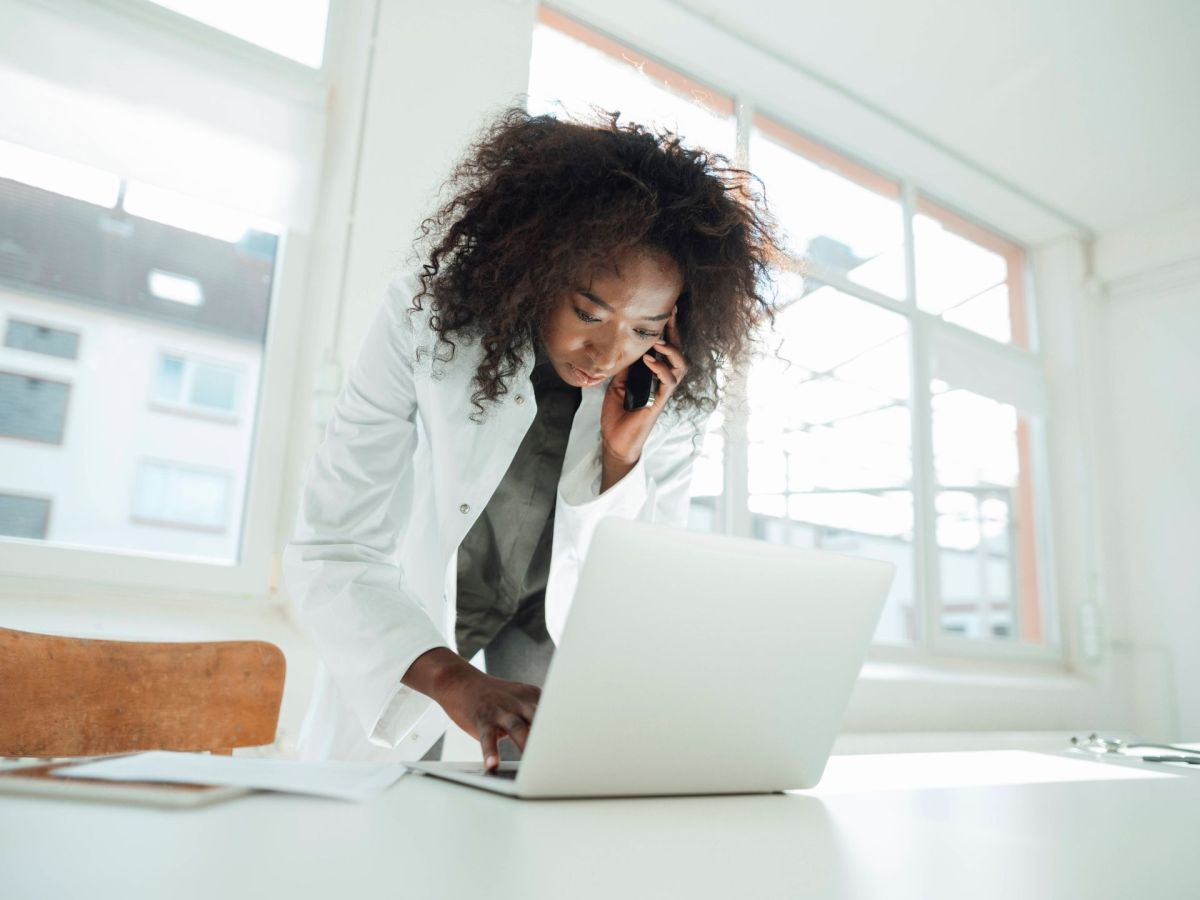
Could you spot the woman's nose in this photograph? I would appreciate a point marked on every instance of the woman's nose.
(605, 355)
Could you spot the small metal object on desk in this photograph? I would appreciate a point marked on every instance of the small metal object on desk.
(1095, 743)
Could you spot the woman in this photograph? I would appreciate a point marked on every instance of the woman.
(483, 431)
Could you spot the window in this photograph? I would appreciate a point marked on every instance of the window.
(176, 288)
(843, 220)
(24, 517)
(182, 496)
(830, 448)
(970, 276)
(708, 480)
(847, 451)
(34, 409)
(574, 70)
(196, 386)
(118, 275)
(41, 339)
(291, 28)
(158, 231)
(899, 413)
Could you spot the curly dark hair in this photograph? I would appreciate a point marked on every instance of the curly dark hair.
(537, 202)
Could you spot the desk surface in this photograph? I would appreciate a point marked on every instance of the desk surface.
(962, 825)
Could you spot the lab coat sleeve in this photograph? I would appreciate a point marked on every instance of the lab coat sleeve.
(340, 567)
(656, 489)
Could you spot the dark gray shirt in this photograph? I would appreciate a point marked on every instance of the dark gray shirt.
(504, 560)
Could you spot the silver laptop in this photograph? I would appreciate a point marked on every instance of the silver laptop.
(694, 664)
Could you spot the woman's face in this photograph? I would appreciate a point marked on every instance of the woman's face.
(603, 325)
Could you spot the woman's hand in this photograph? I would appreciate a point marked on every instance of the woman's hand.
(486, 708)
(624, 432)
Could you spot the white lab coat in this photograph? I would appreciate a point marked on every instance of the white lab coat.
(400, 478)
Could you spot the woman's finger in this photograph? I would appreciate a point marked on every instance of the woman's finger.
(673, 354)
(665, 373)
(528, 711)
(487, 742)
(532, 692)
(517, 728)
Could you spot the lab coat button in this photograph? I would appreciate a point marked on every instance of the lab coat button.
(464, 509)
(520, 400)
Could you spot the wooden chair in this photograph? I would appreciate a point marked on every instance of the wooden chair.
(65, 696)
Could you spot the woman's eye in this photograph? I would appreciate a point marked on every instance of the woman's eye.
(585, 317)
(650, 335)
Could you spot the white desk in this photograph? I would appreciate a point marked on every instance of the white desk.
(877, 827)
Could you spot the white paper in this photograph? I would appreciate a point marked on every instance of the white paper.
(343, 780)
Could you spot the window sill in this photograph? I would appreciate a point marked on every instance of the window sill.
(195, 412)
(854, 744)
(974, 673)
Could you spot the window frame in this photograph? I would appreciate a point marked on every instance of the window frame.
(252, 573)
(224, 45)
(73, 569)
(931, 643)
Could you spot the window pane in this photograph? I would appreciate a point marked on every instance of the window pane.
(24, 517)
(708, 478)
(969, 277)
(574, 70)
(32, 408)
(830, 456)
(41, 339)
(168, 384)
(90, 268)
(291, 28)
(835, 223)
(198, 498)
(181, 496)
(986, 540)
(214, 388)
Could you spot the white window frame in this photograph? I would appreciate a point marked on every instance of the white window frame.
(932, 642)
(72, 569)
(221, 44)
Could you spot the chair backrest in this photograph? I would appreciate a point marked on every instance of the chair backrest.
(65, 696)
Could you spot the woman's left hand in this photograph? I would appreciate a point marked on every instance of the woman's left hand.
(623, 431)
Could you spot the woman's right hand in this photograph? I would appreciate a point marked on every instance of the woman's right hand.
(484, 707)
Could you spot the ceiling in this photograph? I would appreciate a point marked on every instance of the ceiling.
(1091, 106)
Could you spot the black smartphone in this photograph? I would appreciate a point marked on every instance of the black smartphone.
(641, 387)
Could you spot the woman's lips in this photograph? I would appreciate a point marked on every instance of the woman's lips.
(588, 380)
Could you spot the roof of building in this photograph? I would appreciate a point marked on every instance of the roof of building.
(78, 251)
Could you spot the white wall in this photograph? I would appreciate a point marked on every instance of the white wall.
(1149, 309)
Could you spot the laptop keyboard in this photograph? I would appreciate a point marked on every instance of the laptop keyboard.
(509, 774)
